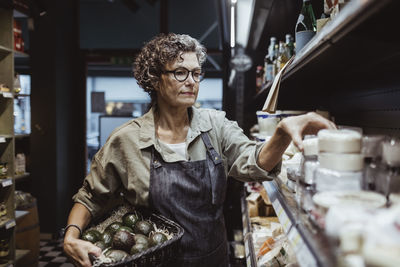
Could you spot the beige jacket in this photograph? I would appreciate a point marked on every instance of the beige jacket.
(122, 165)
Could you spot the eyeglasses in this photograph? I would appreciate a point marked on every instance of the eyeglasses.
(181, 74)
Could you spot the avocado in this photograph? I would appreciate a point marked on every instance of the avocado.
(130, 219)
(143, 227)
(157, 238)
(91, 235)
(139, 247)
(123, 240)
(101, 244)
(116, 255)
(127, 228)
(113, 227)
(141, 239)
(106, 237)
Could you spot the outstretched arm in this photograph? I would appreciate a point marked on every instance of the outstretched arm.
(290, 129)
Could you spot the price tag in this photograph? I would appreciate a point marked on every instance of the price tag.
(6, 182)
(282, 216)
(7, 95)
(246, 248)
(10, 224)
(2, 139)
(248, 261)
(295, 239)
(303, 254)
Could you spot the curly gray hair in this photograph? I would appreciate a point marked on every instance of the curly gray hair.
(161, 50)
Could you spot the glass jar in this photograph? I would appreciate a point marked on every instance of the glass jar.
(306, 178)
(389, 176)
(371, 149)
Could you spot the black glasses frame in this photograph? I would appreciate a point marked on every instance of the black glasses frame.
(187, 75)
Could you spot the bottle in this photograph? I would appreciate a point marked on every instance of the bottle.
(259, 78)
(269, 61)
(290, 45)
(306, 25)
(283, 55)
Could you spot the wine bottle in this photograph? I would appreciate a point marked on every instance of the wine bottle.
(269, 61)
(306, 25)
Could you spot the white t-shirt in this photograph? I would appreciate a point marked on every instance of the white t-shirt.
(179, 148)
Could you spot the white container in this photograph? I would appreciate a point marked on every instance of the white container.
(331, 180)
(267, 122)
(341, 162)
(339, 141)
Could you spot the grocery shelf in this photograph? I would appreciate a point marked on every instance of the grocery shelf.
(20, 253)
(311, 246)
(247, 233)
(341, 51)
(4, 50)
(21, 176)
(20, 136)
(6, 94)
(19, 54)
(7, 223)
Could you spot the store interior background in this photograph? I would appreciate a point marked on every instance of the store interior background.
(79, 47)
(79, 73)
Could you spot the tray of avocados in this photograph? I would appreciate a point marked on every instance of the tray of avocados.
(133, 237)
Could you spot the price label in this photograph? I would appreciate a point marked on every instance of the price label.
(303, 254)
(10, 224)
(2, 139)
(7, 95)
(282, 216)
(6, 182)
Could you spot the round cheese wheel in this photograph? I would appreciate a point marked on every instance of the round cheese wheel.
(339, 141)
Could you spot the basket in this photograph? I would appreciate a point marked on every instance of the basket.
(158, 255)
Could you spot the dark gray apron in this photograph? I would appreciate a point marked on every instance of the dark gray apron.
(192, 194)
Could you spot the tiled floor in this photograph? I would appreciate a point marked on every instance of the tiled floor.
(51, 254)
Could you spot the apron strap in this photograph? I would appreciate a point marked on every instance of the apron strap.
(216, 158)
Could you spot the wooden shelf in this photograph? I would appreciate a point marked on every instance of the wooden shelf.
(4, 50)
(20, 253)
(21, 136)
(21, 176)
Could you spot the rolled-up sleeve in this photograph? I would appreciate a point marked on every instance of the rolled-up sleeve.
(242, 154)
(99, 187)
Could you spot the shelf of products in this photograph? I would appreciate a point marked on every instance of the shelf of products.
(341, 53)
(311, 246)
(247, 234)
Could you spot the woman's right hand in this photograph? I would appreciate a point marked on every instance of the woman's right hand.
(78, 250)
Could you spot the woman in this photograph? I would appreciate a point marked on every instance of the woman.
(175, 158)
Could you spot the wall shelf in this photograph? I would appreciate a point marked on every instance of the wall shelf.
(311, 246)
(19, 177)
(247, 233)
(342, 53)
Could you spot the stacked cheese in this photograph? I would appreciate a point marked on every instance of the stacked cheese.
(340, 159)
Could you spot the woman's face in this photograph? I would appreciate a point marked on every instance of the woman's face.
(179, 94)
